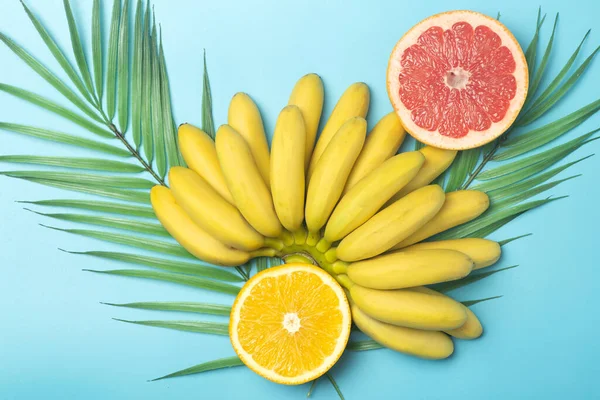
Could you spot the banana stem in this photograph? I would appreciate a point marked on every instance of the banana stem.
(323, 245)
(264, 252)
(340, 267)
(331, 255)
(300, 235)
(344, 281)
(274, 243)
(287, 238)
(313, 238)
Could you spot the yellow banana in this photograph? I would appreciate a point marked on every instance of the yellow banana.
(367, 197)
(471, 329)
(382, 142)
(287, 168)
(193, 238)
(408, 269)
(483, 252)
(308, 95)
(409, 308)
(392, 224)
(198, 150)
(244, 117)
(436, 162)
(425, 344)
(211, 212)
(353, 103)
(251, 194)
(460, 207)
(331, 173)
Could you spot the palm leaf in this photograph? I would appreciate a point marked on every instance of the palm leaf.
(186, 280)
(84, 179)
(146, 110)
(58, 54)
(60, 137)
(205, 367)
(529, 183)
(518, 197)
(171, 265)
(537, 112)
(51, 78)
(112, 63)
(491, 216)
(136, 76)
(540, 136)
(531, 52)
(56, 109)
(97, 49)
(114, 193)
(199, 308)
(556, 154)
(363, 345)
(562, 73)
(123, 69)
(465, 163)
(143, 243)
(505, 185)
(469, 279)
(537, 77)
(78, 48)
(157, 115)
(149, 228)
(96, 164)
(213, 328)
(169, 131)
(469, 303)
(208, 124)
(512, 239)
(493, 227)
(98, 206)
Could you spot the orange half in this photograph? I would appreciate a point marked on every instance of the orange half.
(290, 324)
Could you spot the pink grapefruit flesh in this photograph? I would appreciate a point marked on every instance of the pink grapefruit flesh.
(457, 80)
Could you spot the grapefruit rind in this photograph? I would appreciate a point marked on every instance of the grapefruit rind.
(285, 269)
(474, 138)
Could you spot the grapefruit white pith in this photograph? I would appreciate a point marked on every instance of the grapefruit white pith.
(457, 80)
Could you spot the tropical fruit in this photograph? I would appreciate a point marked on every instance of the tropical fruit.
(483, 252)
(193, 238)
(308, 96)
(198, 151)
(408, 269)
(353, 103)
(347, 204)
(371, 192)
(287, 167)
(383, 142)
(457, 80)
(332, 170)
(244, 117)
(409, 308)
(392, 224)
(290, 323)
(250, 193)
(417, 342)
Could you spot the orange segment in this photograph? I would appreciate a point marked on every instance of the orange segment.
(290, 323)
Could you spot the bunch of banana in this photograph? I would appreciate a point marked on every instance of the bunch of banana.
(346, 202)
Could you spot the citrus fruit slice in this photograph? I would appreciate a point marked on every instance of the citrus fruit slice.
(457, 80)
(290, 323)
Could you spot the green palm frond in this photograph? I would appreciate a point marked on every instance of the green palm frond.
(212, 328)
(190, 307)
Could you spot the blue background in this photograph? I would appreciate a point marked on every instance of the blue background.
(57, 341)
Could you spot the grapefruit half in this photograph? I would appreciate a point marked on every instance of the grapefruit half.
(457, 80)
